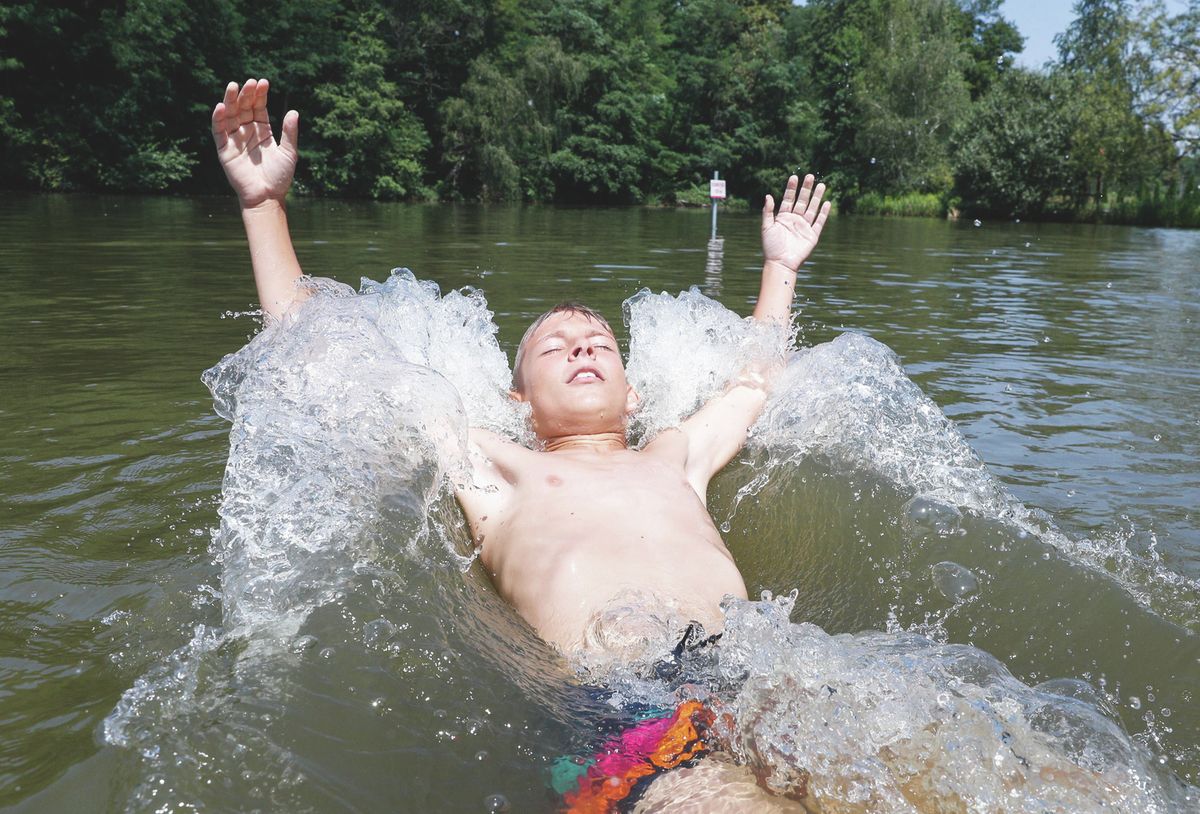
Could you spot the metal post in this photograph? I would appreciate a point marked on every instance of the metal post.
(716, 176)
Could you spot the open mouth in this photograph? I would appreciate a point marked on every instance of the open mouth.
(585, 374)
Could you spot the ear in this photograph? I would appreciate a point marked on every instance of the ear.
(632, 401)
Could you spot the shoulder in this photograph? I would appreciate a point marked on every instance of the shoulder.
(670, 444)
(496, 460)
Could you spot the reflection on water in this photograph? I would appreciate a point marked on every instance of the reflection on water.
(714, 266)
(327, 636)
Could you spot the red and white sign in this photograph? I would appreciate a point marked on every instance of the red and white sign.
(716, 190)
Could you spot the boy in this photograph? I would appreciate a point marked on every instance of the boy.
(565, 530)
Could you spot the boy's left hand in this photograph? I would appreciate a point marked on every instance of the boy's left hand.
(788, 237)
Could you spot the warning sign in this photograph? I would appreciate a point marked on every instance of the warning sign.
(716, 190)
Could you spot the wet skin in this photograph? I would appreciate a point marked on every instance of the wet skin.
(564, 532)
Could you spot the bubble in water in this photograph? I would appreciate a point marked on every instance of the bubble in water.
(495, 803)
(481, 755)
(378, 632)
(925, 514)
(303, 643)
(954, 581)
(1135, 702)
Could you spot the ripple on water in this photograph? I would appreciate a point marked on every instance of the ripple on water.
(335, 586)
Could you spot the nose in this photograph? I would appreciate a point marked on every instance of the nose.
(582, 347)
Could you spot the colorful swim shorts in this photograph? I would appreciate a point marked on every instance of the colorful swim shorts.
(654, 744)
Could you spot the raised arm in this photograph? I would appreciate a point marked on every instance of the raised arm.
(718, 430)
(260, 171)
(788, 237)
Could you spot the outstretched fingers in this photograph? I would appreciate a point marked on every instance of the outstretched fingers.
(768, 213)
(805, 193)
(224, 115)
(289, 139)
(822, 216)
(260, 101)
(813, 205)
(789, 195)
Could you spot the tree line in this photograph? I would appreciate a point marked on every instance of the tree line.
(900, 105)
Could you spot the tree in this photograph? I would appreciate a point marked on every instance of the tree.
(1012, 153)
(1172, 91)
(890, 74)
(911, 99)
(499, 133)
(990, 42)
(742, 102)
(169, 58)
(366, 142)
(1111, 142)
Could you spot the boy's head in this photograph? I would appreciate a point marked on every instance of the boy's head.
(568, 367)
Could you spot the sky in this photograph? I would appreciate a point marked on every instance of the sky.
(1038, 21)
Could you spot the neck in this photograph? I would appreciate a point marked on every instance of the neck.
(596, 442)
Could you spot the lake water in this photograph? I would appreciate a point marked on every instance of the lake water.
(1054, 524)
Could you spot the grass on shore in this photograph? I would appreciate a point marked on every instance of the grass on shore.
(911, 205)
(1150, 210)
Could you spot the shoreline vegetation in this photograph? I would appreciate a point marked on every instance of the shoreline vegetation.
(1169, 211)
(904, 107)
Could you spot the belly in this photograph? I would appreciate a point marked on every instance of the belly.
(594, 591)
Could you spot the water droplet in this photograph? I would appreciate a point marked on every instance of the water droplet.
(1135, 702)
(481, 755)
(1157, 437)
(327, 653)
(872, 159)
(978, 222)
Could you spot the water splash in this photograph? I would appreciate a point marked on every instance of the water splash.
(349, 393)
(891, 722)
(684, 350)
(334, 447)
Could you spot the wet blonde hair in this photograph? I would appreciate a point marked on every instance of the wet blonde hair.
(567, 307)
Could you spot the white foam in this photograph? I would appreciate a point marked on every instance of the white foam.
(333, 449)
(897, 722)
(332, 457)
(684, 349)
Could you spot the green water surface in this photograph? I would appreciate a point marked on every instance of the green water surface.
(1067, 355)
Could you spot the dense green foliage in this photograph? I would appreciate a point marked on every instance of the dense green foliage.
(905, 106)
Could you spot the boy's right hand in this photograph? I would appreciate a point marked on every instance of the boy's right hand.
(258, 168)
